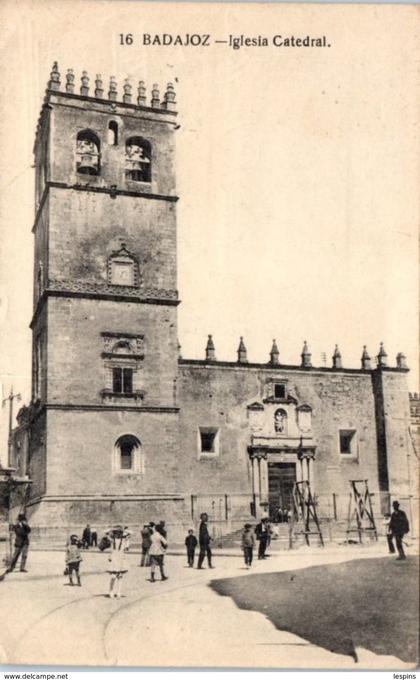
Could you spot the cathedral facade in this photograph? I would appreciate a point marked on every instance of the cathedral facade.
(121, 428)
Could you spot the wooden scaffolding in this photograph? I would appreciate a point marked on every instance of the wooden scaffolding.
(360, 518)
(305, 519)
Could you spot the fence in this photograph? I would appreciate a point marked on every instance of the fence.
(228, 512)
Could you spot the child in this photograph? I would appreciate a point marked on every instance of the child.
(127, 540)
(73, 559)
(388, 533)
(157, 551)
(248, 544)
(118, 559)
(191, 543)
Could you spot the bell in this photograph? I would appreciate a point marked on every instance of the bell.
(88, 164)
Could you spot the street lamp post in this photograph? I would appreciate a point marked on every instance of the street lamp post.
(10, 399)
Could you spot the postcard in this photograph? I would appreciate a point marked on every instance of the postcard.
(209, 348)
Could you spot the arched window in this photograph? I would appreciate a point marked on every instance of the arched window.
(138, 159)
(128, 454)
(88, 153)
(280, 421)
(113, 133)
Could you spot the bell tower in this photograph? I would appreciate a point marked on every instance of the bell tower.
(105, 343)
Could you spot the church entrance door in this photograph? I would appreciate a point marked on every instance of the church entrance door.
(281, 479)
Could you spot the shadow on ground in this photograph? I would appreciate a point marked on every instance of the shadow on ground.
(369, 603)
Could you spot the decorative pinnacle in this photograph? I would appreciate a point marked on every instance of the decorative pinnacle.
(401, 360)
(382, 355)
(210, 349)
(169, 104)
(141, 99)
(54, 81)
(337, 358)
(112, 93)
(127, 91)
(274, 353)
(70, 80)
(242, 354)
(306, 356)
(365, 359)
(84, 89)
(155, 97)
(99, 87)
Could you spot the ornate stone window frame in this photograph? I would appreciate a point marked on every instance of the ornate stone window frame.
(122, 350)
(270, 388)
(123, 257)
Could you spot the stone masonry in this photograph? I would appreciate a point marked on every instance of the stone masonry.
(120, 428)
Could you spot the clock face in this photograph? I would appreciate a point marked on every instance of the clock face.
(122, 274)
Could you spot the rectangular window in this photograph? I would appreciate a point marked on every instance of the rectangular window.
(127, 380)
(122, 380)
(348, 442)
(209, 441)
(117, 380)
(280, 391)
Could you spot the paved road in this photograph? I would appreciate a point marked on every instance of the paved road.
(179, 622)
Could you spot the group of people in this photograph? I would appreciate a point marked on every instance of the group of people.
(89, 537)
(262, 534)
(154, 545)
(150, 548)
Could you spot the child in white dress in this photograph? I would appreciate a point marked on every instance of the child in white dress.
(118, 559)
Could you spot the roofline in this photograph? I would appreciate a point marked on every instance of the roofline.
(202, 363)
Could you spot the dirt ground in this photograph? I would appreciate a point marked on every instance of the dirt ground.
(369, 603)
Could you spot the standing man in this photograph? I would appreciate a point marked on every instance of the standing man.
(146, 542)
(204, 539)
(22, 531)
(86, 537)
(398, 526)
(262, 533)
(93, 537)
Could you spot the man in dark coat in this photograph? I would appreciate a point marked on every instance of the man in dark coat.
(86, 537)
(204, 539)
(262, 534)
(22, 531)
(398, 527)
(146, 542)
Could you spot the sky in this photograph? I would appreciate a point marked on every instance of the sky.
(297, 171)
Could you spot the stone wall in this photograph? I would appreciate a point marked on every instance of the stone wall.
(86, 227)
(81, 450)
(76, 373)
(68, 121)
(218, 396)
